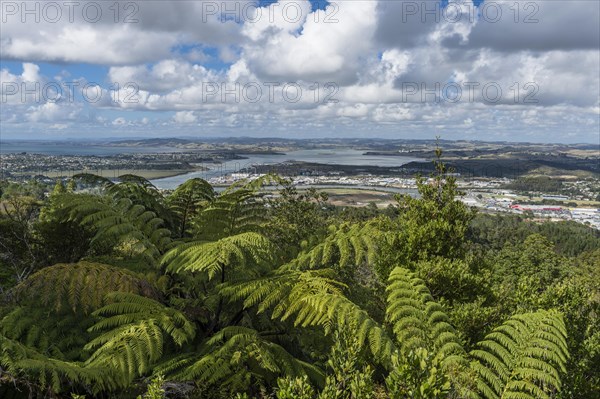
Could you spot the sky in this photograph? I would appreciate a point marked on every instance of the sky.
(461, 69)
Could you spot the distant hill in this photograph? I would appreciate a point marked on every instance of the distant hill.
(166, 142)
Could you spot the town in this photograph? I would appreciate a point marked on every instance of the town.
(541, 182)
(487, 195)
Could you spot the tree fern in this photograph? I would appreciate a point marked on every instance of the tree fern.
(80, 286)
(523, 358)
(312, 298)
(238, 209)
(187, 201)
(346, 245)
(235, 351)
(246, 255)
(119, 222)
(24, 366)
(134, 338)
(91, 180)
(142, 192)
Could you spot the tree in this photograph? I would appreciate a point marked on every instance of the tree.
(434, 224)
(296, 219)
(187, 201)
(19, 249)
(216, 306)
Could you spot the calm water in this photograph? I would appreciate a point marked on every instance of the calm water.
(337, 157)
(324, 156)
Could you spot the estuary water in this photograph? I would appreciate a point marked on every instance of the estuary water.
(337, 156)
(334, 157)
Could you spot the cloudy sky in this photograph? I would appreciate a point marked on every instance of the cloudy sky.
(485, 70)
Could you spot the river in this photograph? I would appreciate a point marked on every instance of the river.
(333, 157)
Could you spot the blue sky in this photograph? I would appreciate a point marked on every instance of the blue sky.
(314, 69)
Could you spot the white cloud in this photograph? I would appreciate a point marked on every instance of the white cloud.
(185, 117)
(142, 31)
(52, 112)
(163, 76)
(322, 51)
(59, 126)
(30, 72)
(120, 121)
(173, 54)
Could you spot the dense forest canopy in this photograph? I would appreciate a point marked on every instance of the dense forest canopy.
(114, 290)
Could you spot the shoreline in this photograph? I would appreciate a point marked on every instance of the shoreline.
(149, 174)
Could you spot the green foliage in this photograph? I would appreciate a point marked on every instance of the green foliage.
(349, 379)
(247, 294)
(495, 231)
(543, 184)
(534, 258)
(134, 338)
(296, 219)
(455, 280)
(59, 188)
(81, 286)
(119, 224)
(294, 388)
(187, 201)
(435, 224)
(20, 253)
(418, 375)
(523, 358)
(155, 389)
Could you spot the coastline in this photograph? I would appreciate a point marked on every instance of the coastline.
(149, 174)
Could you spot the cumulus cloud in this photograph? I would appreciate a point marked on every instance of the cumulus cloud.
(185, 117)
(163, 76)
(114, 33)
(120, 121)
(387, 64)
(53, 112)
(536, 25)
(315, 48)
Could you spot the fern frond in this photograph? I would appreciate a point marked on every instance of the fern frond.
(119, 221)
(234, 347)
(135, 337)
(523, 358)
(187, 201)
(421, 326)
(418, 321)
(345, 246)
(79, 286)
(311, 298)
(245, 254)
(22, 362)
(237, 210)
(60, 336)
